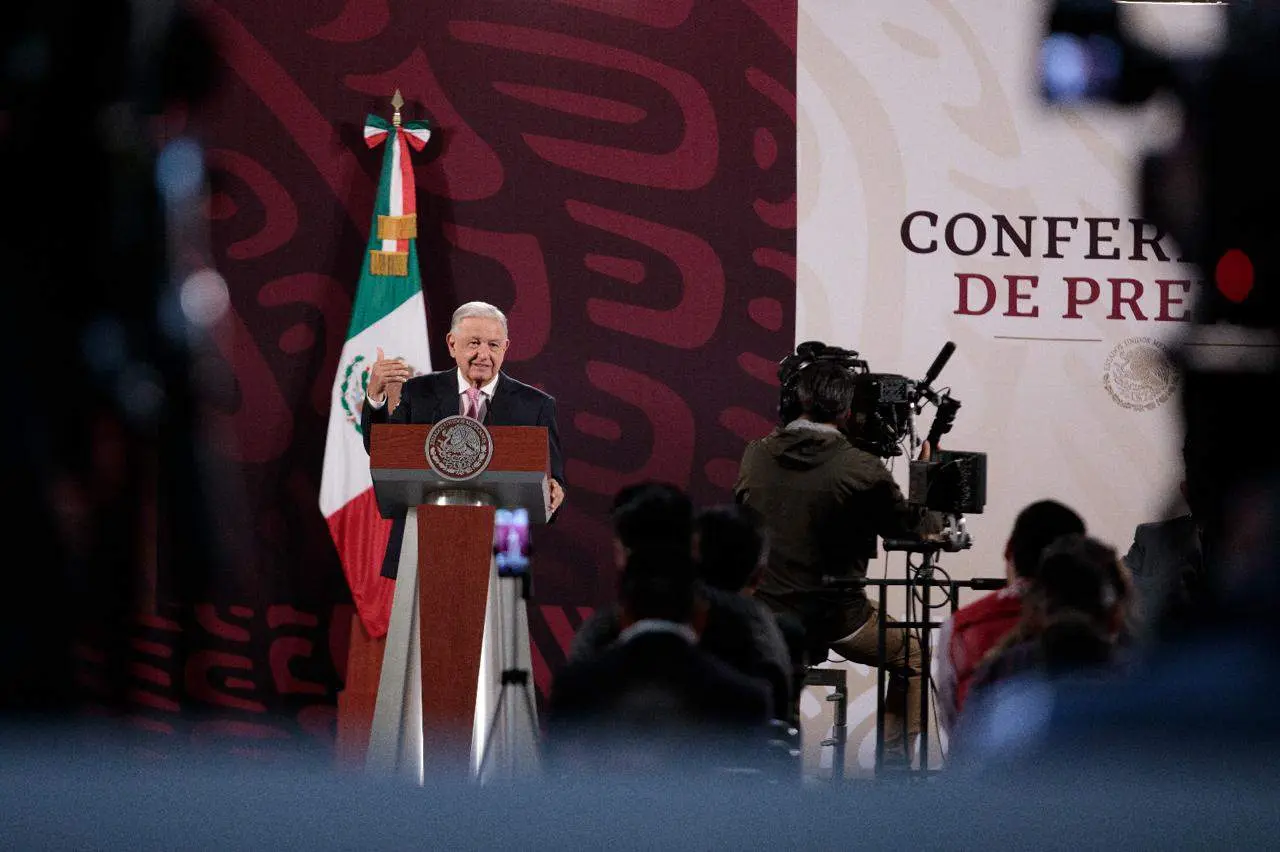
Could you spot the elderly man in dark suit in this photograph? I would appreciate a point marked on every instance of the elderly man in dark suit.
(476, 387)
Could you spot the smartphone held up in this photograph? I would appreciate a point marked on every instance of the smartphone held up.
(511, 541)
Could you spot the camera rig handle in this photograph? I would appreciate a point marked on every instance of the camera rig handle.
(943, 419)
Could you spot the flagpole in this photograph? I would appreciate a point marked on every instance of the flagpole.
(388, 312)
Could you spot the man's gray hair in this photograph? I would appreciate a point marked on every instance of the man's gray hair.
(484, 310)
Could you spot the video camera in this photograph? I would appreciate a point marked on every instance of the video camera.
(1214, 188)
(1214, 191)
(882, 419)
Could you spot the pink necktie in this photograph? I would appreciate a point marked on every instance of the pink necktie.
(473, 403)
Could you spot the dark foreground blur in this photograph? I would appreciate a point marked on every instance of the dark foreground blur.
(95, 800)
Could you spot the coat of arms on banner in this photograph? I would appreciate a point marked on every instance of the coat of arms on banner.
(459, 447)
(1140, 374)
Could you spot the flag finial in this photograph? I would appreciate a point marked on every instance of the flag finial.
(397, 101)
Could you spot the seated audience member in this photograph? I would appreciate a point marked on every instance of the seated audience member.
(730, 549)
(658, 518)
(647, 517)
(1074, 617)
(969, 635)
(654, 702)
(1198, 708)
(1166, 560)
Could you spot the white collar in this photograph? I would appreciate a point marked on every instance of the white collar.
(658, 625)
(801, 423)
(1015, 588)
(487, 390)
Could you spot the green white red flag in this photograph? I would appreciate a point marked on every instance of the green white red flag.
(390, 313)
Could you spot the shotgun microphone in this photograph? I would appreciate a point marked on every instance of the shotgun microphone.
(935, 368)
(924, 391)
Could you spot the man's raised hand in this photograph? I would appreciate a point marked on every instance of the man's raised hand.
(387, 375)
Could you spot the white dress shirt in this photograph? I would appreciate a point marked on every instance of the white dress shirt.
(486, 394)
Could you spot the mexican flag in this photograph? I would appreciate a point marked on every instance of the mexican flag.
(390, 313)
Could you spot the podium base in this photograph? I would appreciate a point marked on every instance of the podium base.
(396, 741)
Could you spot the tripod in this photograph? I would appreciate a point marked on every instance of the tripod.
(513, 676)
(918, 582)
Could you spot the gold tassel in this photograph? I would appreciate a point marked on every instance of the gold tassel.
(398, 227)
(389, 263)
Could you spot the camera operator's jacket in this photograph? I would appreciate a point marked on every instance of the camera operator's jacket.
(823, 502)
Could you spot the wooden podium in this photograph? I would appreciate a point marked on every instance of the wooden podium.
(434, 646)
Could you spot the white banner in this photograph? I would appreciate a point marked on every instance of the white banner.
(941, 200)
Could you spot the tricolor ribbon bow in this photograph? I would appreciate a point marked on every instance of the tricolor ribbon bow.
(397, 207)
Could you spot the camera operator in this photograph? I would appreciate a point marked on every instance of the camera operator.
(823, 501)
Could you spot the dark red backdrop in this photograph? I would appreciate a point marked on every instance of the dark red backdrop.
(618, 176)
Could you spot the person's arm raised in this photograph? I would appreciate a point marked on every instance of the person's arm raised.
(386, 377)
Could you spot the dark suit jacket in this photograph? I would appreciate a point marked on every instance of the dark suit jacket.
(1167, 566)
(426, 399)
(739, 631)
(654, 702)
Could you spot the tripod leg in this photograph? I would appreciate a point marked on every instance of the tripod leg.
(533, 714)
(487, 746)
(511, 636)
(925, 680)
